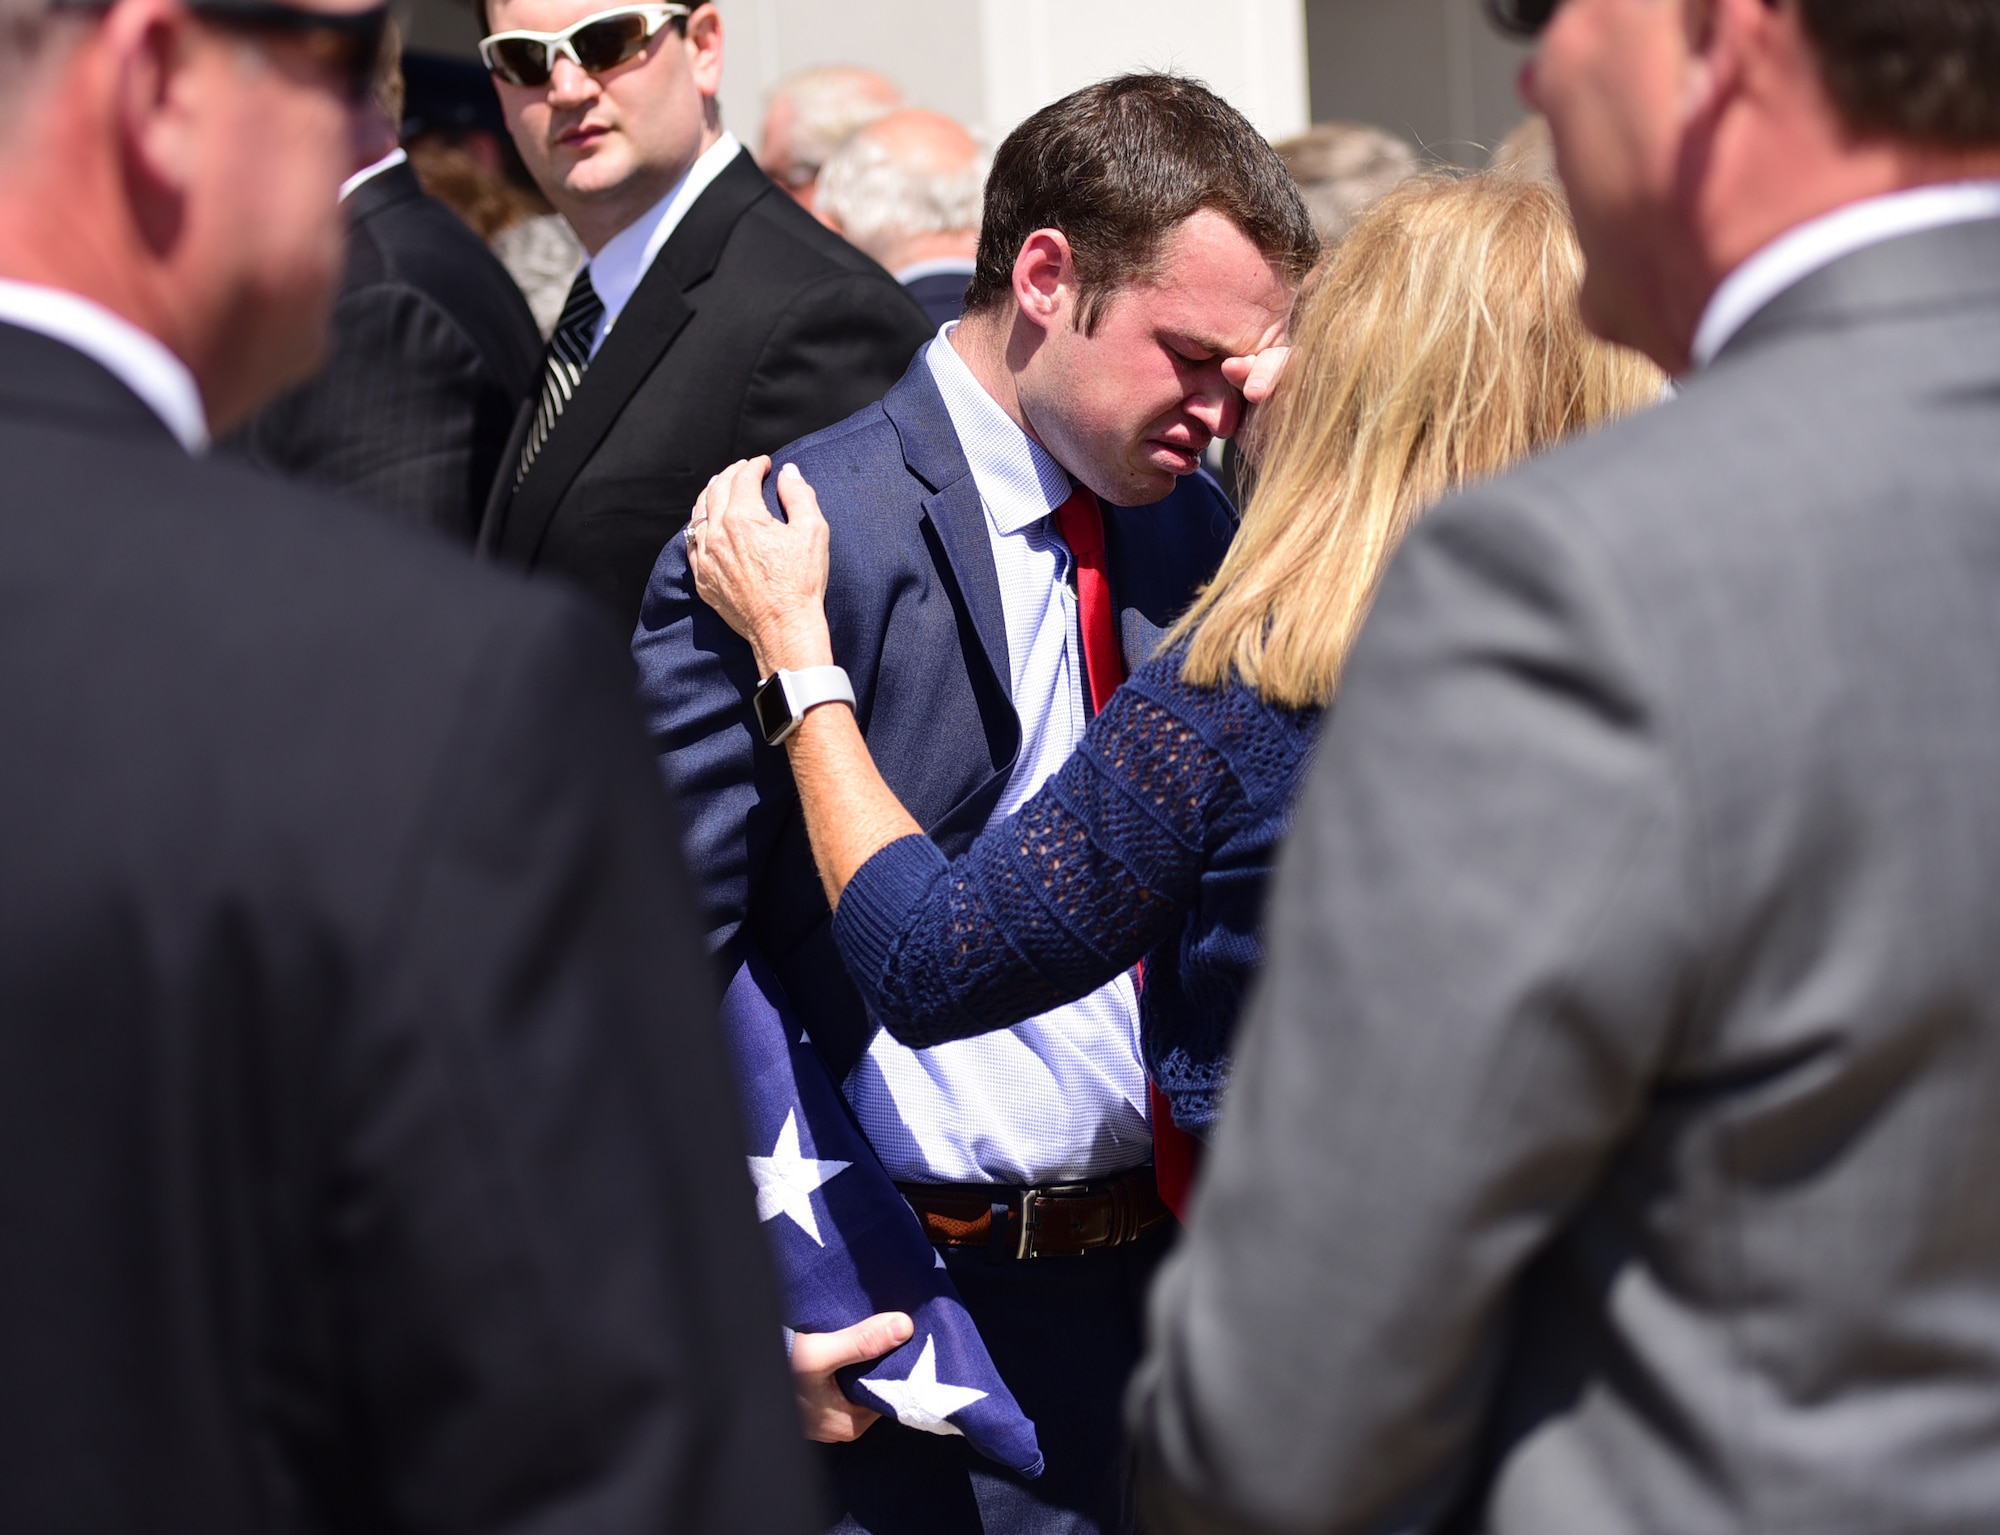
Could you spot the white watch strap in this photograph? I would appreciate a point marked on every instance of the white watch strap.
(811, 686)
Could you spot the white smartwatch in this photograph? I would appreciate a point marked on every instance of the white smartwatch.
(781, 699)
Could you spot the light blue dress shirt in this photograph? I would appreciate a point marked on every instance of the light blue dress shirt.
(1061, 1097)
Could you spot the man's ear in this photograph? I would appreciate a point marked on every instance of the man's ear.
(704, 45)
(149, 51)
(1044, 277)
(1723, 36)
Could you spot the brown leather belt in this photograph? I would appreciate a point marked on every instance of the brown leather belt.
(1061, 1219)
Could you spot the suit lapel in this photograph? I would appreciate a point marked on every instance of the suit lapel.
(646, 329)
(696, 246)
(960, 520)
(398, 184)
(932, 453)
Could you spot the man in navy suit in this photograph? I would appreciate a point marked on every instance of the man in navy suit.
(1140, 247)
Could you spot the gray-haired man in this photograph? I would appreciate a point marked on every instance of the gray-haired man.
(907, 190)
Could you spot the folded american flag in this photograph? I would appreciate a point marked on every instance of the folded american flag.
(846, 1244)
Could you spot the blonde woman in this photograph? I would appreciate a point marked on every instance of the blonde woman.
(1437, 346)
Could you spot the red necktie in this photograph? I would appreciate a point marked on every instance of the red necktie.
(1175, 1152)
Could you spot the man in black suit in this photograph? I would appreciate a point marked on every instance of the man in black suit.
(715, 320)
(367, 1155)
(434, 353)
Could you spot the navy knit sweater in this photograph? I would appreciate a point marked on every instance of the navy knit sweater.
(1154, 841)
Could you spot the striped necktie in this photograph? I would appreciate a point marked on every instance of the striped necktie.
(562, 367)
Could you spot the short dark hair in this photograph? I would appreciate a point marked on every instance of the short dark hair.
(1117, 167)
(1923, 71)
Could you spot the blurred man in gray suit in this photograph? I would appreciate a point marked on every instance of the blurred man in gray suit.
(1615, 1133)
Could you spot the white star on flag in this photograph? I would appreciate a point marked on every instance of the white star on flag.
(786, 1180)
(922, 1402)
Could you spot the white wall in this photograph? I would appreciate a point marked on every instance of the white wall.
(1431, 69)
(988, 63)
(1251, 51)
(929, 47)
(992, 62)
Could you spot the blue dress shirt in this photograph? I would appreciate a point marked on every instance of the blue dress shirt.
(1061, 1097)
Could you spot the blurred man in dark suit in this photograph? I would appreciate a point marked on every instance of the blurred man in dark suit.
(434, 352)
(367, 1157)
(715, 319)
(1611, 1143)
(907, 189)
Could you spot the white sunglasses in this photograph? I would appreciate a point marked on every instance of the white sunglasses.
(594, 44)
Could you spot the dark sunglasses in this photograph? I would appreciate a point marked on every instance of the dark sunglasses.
(595, 44)
(1523, 18)
(345, 45)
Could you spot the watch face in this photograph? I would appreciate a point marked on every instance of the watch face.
(774, 709)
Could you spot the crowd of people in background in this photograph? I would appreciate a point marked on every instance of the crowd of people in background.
(1332, 816)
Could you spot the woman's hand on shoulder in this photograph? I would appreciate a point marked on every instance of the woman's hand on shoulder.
(765, 577)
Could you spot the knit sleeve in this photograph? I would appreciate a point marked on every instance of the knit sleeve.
(1065, 895)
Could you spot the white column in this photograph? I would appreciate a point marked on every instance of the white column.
(990, 63)
(930, 48)
(1251, 52)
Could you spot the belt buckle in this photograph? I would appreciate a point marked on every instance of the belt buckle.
(1030, 1213)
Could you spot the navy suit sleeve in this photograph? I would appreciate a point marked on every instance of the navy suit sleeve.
(558, 1308)
(695, 681)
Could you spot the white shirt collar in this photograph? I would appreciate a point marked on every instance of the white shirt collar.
(392, 159)
(617, 270)
(1818, 243)
(937, 266)
(1018, 482)
(137, 360)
